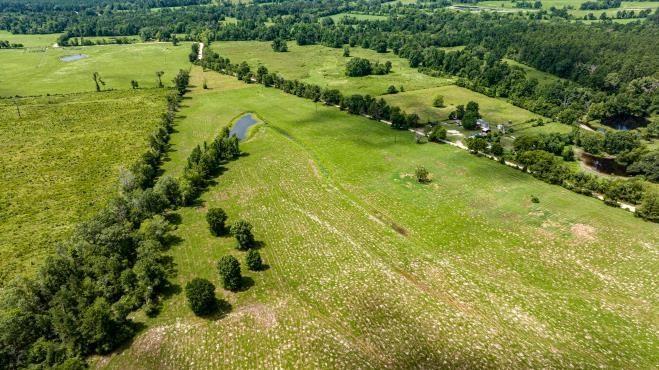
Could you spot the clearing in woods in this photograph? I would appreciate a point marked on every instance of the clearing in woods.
(370, 269)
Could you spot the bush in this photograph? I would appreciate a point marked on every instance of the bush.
(279, 45)
(496, 149)
(216, 217)
(421, 174)
(534, 199)
(438, 102)
(437, 134)
(358, 67)
(229, 270)
(392, 89)
(253, 260)
(242, 230)
(649, 208)
(201, 296)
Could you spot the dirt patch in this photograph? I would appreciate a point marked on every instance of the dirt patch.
(583, 232)
(314, 169)
(150, 341)
(399, 229)
(260, 313)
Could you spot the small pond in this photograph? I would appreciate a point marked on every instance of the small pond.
(73, 58)
(603, 164)
(241, 126)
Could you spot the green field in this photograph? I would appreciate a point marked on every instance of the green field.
(325, 66)
(542, 77)
(358, 16)
(546, 4)
(60, 164)
(369, 269)
(29, 41)
(36, 72)
(492, 109)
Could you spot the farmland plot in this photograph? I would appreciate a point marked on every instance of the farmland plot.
(369, 269)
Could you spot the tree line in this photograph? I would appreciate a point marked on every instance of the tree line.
(79, 302)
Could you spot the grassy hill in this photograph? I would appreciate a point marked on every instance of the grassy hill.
(370, 269)
(60, 164)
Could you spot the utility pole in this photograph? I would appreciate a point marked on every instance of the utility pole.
(18, 110)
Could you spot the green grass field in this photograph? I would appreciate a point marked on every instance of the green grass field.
(36, 72)
(29, 41)
(60, 164)
(546, 4)
(492, 109)
(542, 77)
(325, 66)
(358, 16)
(369, 269)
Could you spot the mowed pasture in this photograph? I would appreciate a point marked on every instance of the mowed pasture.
(60, 163)
(325, 66)
(370, 269)
(42, 71)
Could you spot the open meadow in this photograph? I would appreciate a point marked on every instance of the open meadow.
(60, 164)
(37, 71)
(370, 269)
(636, 6)
(325, 66)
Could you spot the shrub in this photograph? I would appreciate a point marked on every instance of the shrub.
(253, 260)
(279, 45)
(357, 67)
(496, 149)
(229, 269)
(421, 174)
(392, 89)
(438, 102)
(242, 230)
(649, 208)
(216, 217)
(534, 199)
(201, 296)
(437, 134)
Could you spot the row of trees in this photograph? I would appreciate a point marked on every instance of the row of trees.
(4, 44)
(79, 302)
(544, 156)
(201, 292)
(366, 105)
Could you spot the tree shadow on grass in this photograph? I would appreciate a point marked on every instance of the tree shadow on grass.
(258, 244)
(220, 310)
(246, 282)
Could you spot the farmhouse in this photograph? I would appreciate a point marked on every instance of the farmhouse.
(484, 125)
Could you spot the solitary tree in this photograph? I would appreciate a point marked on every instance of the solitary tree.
(229, 269)
(279, 45)
(346, 51)
(134, 84)
(242, 230)
(437, 134)
(98, 81)
(392, 89)
(438, 102)
(253, 260)
(201, 296)
(216, 217)
(159, 77)
(421, 174)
